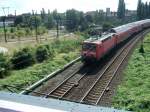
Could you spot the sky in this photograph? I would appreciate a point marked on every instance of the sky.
(24, 6)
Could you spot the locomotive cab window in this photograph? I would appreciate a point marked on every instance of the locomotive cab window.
(89, 47)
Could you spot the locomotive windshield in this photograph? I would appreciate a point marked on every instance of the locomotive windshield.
(89, 47)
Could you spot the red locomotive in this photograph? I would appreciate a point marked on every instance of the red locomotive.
(94, 49)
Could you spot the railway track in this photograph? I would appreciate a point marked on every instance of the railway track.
(101, 85)
(64, 87)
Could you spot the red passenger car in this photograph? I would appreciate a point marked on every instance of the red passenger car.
(95, 48)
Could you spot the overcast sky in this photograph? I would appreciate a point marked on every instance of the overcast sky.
(22, 6)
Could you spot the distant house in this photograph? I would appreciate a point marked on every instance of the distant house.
(9, 21)
(131, 13)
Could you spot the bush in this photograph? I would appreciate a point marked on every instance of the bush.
(42, 53)
(41, 30)
(107, 26)
(4, 66)
(27, 31)
(12, 30)
(23, 58)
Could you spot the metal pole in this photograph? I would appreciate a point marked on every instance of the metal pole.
(4, 28)
(35, 20)
(57, 28)
(36, 28)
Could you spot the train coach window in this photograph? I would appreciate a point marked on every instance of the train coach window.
(90, 47)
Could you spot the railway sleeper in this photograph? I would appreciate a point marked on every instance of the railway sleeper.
(56, 95)
(90, 101)
(59, 92)
(92, 97)
(66, 87)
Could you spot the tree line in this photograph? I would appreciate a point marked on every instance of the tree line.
(143, 10)
(74, 20)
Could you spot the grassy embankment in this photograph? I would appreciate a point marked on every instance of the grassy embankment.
(134, 93)
(65, 51)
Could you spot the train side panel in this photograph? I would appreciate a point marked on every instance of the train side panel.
(99, 51)
(108, 44)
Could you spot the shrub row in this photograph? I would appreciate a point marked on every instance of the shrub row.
(26, 57)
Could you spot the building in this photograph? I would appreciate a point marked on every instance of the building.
(130, 13)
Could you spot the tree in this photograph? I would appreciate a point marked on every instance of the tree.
(43, 15)
(83, 22)
(142, 11)
(18, 20)
(146, 13)
(139, 10)
(121, 9)
(89, 18)
(26, 20)
(149, 10)
(50, 22)
(35, 20)
(107, 26)
(72, 20)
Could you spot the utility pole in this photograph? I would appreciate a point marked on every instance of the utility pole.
(4, 24)
(57, 22)
(36, 27)
(4, 28)
(35, 20)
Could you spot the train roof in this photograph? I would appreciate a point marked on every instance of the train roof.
(99, 39)
(119, 29)
(126, 27)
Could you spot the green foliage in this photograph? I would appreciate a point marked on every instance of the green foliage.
(20, 33)
(65, 45)
(50, 22)
(41, 53)
(22, 58)
(141, 50)
(12, 30)
(41, 30)
(72, 20)
(143, 10)
(107, 26)
(18, 20)
(133, 93)
(43, 15)
(121, 9)
(57, 59)
(4, 66)
(27, 31)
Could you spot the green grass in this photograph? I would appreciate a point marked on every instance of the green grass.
(65, 51)
(134, 93)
